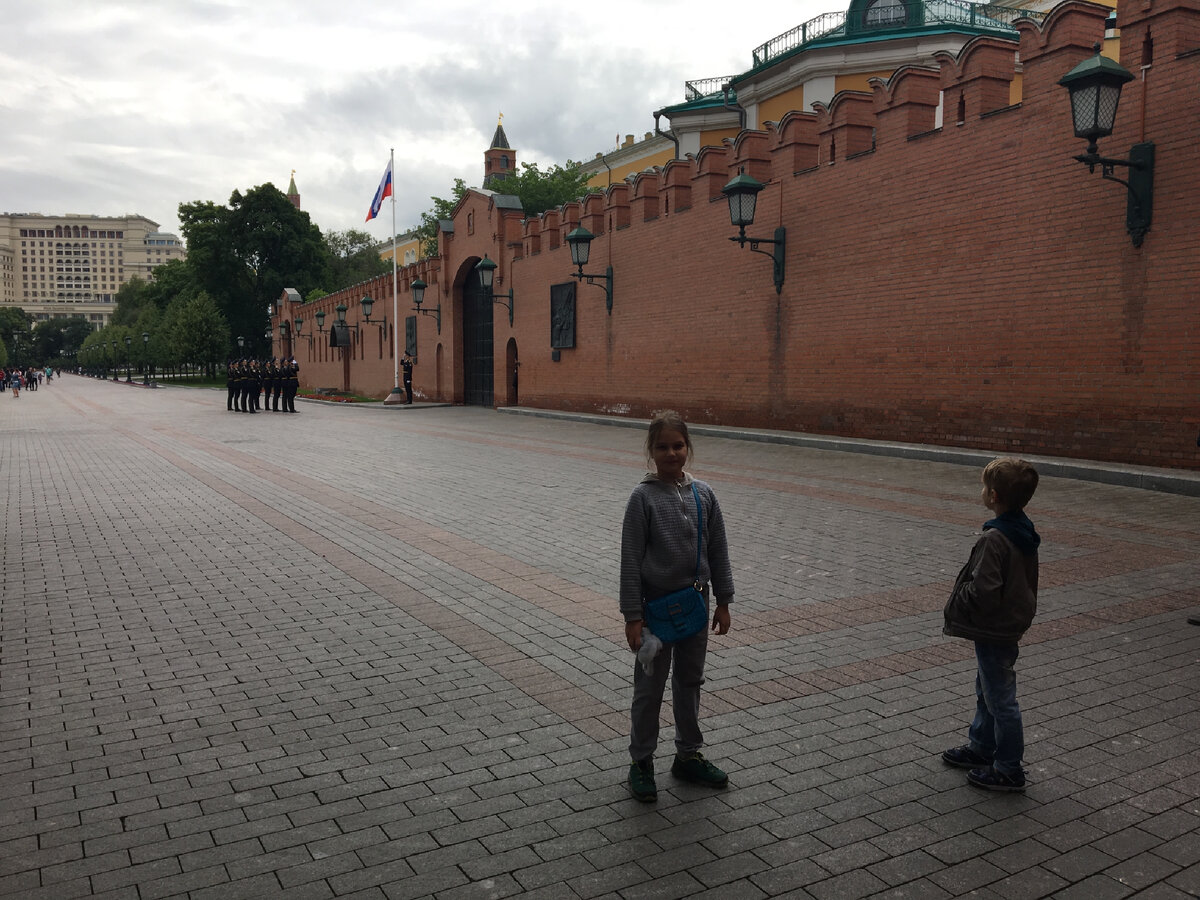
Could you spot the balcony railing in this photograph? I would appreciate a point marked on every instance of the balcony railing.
(702, 87)
(932, 12)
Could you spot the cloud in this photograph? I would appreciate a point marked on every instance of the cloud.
(117, 107)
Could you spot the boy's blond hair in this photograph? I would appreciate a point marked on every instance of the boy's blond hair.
(1014, 481)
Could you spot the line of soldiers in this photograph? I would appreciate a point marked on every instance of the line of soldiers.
(253, 385)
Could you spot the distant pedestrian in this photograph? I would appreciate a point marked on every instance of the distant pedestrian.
(993, 604)
(14, 379)
(672, 537)
(406, 362)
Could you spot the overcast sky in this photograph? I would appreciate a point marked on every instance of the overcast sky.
(110, 107)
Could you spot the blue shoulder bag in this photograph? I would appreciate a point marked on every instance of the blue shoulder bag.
(681, 614)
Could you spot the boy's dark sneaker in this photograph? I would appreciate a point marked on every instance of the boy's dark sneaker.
(991, 780)
(641, 781)
(695, 768)
(965, 758)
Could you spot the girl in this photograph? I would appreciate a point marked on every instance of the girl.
(658, 556)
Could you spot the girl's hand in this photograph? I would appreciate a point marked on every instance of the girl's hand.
(633, 635)
(720, 622)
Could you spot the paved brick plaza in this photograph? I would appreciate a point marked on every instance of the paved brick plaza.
(375, 653)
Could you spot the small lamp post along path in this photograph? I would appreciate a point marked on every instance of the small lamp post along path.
(146, 358)
(128, 361)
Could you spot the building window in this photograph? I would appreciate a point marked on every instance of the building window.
(882, 13)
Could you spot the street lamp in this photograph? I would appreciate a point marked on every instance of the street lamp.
(146, 358)
(742, 194)
(367, 304)
(418, 292)
(580, 241)
(1095, 90)
(128, 368)
(487, 272)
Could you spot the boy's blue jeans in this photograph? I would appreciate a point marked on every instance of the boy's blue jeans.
(997, 732)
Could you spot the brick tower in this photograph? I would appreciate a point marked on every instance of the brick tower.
(499, 160)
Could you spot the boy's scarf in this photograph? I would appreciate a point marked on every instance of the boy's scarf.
(1017, 527)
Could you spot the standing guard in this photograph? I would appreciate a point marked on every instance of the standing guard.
(231, 385)
(244, 384)
(276, 384)
(255, 385)
(293, 385)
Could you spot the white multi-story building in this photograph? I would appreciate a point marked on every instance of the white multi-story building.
(73, 265)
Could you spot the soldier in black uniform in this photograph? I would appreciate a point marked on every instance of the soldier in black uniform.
(406, 362)
(293, 385)
(231, 385)
(255, 385)
(244, 384)
(276, 384)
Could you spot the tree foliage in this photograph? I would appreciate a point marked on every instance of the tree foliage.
(199, 332)
(540, 191)
(427, 231)
(354, 257)
(243, 255)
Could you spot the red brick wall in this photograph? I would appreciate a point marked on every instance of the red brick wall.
(971, 286)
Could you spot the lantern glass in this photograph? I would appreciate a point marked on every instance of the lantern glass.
(418, 291)
(742, 194)
(1095, 88)
(367, 305)
(487, 272)
(282, 330)
(341, 313)
(580, 241)
(321, 319)
(299, 324)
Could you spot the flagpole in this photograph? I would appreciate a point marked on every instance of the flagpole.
(395, 396)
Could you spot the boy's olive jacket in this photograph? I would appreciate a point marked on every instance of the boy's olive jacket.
(995, 595)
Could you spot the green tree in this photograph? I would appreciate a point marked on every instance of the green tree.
(243, 255)
(354, 257)
(59, 337)
(427, 231)
(132, 297)
(540, 191)
(199, 332)
(15, 325)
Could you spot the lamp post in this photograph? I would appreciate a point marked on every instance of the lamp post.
(487, 272)
(112, 357)
(742, 194)
(1094, 87)
(418, 292)
(146, 358)
(580, 241)
(128, 361)
(367, 304)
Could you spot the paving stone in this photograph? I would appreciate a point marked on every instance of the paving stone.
(262, 679)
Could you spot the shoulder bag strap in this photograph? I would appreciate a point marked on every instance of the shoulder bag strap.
(699, 532)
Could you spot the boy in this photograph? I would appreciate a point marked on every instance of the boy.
(993, 603)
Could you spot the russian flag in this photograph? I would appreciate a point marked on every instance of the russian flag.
(385, 191)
